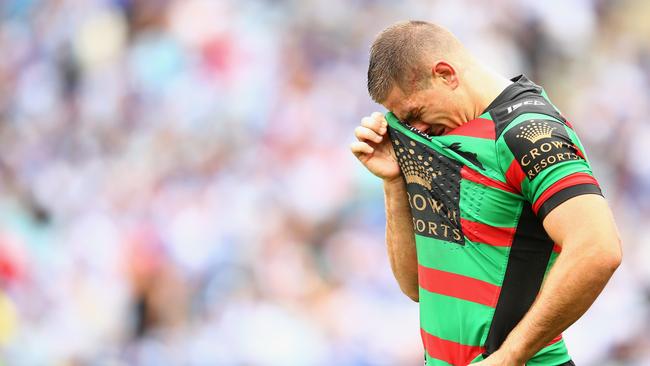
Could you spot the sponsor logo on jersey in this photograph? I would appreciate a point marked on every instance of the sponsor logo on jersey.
(540, 144)
(522, 103)
(433, 189)
(536, 131)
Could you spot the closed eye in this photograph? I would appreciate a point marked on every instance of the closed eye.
(412, 115)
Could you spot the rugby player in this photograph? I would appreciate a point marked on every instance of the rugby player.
(495, 223)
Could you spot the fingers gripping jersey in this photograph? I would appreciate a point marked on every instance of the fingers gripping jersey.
(478, 196)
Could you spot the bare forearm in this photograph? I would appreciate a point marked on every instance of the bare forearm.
(573, 284)
(400, 239)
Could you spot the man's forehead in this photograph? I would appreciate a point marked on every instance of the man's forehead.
(397, 102)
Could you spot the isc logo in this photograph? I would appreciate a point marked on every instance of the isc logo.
(525, 102)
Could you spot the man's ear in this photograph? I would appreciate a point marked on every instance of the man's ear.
(446, 73)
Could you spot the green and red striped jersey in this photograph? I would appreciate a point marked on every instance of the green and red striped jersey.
(478, 195)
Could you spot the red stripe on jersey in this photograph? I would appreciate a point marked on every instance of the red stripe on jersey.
(579, 152)
(568, 181)
(557, 248)
(479, 127)
(492, 235)
(515, 175)
(458, 286)
(451, 352)
(555, 340)
(476, 177)
(568, 123)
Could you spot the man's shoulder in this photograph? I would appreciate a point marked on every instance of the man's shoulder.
(522, 109)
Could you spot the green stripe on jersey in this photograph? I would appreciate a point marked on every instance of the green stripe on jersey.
(486, 115)
(548, 177)
(476, 260)
(454, 319)
(550, 264)
(555, 354)
(488, 205)
(574, 137)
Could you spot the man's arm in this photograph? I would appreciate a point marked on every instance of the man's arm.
(584, 227)
(375, 151)
(400, 239)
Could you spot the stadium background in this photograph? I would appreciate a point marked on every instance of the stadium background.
(176, 186)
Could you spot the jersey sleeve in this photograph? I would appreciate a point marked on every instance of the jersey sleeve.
(544, 160)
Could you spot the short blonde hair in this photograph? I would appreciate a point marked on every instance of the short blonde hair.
(399, 53)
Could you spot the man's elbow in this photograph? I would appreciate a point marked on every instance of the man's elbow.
(614, 257)
(609, 258)
(411, 292)
(599, 256)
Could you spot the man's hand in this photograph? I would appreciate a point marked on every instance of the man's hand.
(497, 359)
(584, 227)
(373, 148)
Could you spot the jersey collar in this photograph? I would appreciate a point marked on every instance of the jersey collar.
(520, 85)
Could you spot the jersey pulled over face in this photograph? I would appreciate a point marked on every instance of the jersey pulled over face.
(478, 195)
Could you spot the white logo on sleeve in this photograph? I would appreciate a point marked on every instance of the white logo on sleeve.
(525, 102)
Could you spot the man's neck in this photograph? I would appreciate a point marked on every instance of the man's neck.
(484, 87)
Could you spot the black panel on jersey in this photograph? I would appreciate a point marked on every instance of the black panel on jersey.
(523, 96)
(564, 194)
(433, 188)
(568, 363)
(521, 85)
(539, 144)
(529, 256)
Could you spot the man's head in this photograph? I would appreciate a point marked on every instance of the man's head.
(416, 71)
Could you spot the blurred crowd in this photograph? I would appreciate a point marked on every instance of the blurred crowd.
(176, 186)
